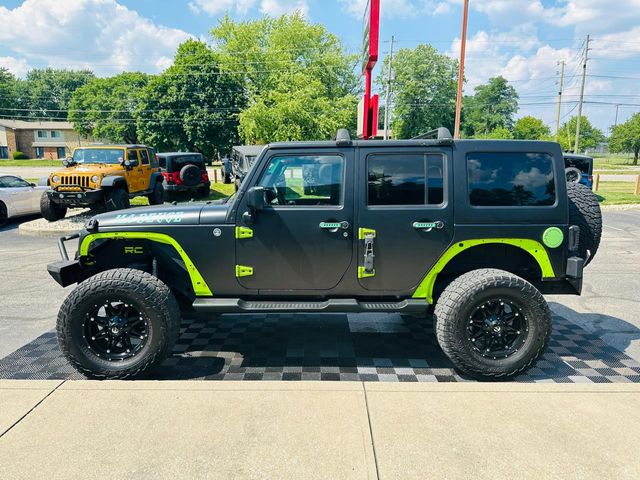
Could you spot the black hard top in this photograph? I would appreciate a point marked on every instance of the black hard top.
(468, 143)
(251, 150)
(178, 154)
(576, 156)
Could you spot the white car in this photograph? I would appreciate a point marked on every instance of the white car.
(18, 197)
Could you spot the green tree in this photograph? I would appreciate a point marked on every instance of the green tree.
(590, 136)
(8, 93)
(530, 128)
(625, 137)
(493, 105)
(299, 83)
(192, 105)
(423, 90)
(47, 92)
(498, 133)
(105, 108)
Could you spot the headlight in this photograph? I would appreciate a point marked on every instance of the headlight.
(55, 179)
(95, 179)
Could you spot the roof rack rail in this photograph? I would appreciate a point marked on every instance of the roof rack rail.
(342, 137)
(441, 133)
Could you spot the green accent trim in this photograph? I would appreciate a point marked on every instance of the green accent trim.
(244, 232)
(199, 285)
(243, 271)
(330, 225)
(363, 274)
(553, 237)
(363, 231)
(536, 249)
(425, 224)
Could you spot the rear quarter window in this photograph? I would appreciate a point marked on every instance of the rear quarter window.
(510, 179)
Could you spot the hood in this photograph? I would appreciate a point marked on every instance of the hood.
(91, 168)
(186, 214)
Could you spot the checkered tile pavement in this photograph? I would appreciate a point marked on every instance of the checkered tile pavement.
(369, 347)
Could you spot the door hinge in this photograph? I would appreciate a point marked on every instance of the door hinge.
(368, 235)
(244, 232)
(243, 271)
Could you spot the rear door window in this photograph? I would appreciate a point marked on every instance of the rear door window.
(144, 157)
(405, 179)
(509, 179)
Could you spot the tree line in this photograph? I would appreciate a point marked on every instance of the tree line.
(276, 79)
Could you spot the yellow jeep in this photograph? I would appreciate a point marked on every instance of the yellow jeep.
(103, 177)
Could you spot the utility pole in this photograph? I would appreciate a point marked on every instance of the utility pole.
(584, 76)
(463, 44)
(615, 124)
(561, 62)
(387, 100)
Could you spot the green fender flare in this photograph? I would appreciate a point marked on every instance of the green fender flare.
(536, 249)
(199, 285)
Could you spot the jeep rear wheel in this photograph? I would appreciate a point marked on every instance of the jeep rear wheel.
(492, 324)
(117, 199)
(157, 196)
(51, 211)
(118, 324)
(584, 211)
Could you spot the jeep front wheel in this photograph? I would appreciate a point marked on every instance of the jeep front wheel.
(492, 324)
(118, 324)
(51, 211)
(117, 199)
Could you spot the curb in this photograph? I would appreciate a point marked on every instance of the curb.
(42, 228)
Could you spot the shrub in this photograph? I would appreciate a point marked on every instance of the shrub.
(20, 155)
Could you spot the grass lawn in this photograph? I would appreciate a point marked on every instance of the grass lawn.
(30, 163)
(617, 193)
(613, 162)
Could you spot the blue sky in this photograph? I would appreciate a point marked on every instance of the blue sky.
(520, 39)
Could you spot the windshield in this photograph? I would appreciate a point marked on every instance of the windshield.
(98, 155)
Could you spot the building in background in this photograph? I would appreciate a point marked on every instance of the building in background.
(49, 140)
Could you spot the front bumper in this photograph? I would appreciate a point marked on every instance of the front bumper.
(83, 198)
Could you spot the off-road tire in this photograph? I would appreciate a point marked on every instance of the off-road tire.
(203, 191)
(584, 211)
(117, 199)
(157, 196)
(463, 295)
(147, 294)
(190, 175)
(51, 211)
(573, 174)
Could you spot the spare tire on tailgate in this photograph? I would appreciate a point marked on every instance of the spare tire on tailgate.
(190, 175)
(584, 211)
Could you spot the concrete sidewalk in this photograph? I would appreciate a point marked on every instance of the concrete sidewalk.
(147, 429)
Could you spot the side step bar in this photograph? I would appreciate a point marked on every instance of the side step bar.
(344, 305)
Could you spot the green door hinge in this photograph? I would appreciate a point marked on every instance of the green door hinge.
(364, 231)
(244, 232)
(362, 272)
(243, 271)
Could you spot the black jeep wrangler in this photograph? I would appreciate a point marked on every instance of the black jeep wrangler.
(184, 172)
(473, 232)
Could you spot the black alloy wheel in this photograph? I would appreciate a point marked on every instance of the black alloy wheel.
(497, 328)
(115, 330)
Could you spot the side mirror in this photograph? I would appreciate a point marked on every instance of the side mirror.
(255, 198)
(32, 185)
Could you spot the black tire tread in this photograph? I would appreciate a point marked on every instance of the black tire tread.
(4, 218)
(584, 211)
(49, 210)
(150, 289)
(463, 288)
(117, 199)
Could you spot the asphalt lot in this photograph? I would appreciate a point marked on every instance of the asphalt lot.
(608, 308)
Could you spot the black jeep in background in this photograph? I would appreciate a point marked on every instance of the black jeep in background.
(184, 172)
(473, 232)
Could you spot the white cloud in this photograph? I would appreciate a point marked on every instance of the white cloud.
(214, 7)
(275, 8)
(18, 66)
(388, 8)
(595, 16)
(98, 34)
